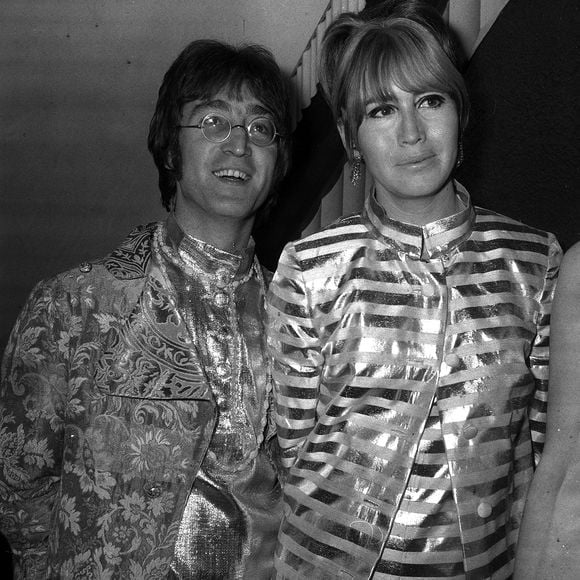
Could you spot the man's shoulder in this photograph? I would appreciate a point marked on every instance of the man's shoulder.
(126, 263)
(131, 258)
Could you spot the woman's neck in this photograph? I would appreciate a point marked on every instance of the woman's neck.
(421, 211)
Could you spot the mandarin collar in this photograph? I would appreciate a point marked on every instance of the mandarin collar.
(209, 259)
(425, 242)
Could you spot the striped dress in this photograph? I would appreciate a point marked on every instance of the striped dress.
(410, 368)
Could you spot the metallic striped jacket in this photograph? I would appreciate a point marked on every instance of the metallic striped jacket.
(370, 321)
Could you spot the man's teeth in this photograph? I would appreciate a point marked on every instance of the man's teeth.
(233, 173)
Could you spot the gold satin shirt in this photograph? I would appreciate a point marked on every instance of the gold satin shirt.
(232, 513)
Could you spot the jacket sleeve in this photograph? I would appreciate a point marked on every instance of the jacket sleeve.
(296, 352)
(32, 405)
(540, 353)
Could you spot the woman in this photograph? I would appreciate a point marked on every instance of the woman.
(410, 342)
(549, 546)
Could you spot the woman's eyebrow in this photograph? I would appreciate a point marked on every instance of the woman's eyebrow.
(379, 99)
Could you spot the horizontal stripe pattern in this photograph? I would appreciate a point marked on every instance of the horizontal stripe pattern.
(425, 541)
(365, 335)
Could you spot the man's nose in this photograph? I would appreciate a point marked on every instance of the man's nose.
(238, 141)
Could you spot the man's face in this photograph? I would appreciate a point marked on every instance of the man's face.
(227, 181)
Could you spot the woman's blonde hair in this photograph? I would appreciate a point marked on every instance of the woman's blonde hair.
(362, 59)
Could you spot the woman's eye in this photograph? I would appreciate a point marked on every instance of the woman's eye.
(380, 111)
(432, 101)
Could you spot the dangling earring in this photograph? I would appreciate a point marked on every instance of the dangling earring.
(355, 171)
(459, 154)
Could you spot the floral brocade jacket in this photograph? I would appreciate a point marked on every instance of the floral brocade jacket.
(371, 322)
(85, 414)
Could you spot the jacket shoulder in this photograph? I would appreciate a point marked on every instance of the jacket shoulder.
(488, 219)
(127, 263)
(130, 259)
(345, 228)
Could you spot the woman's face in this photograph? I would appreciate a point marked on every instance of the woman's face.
(409, 144)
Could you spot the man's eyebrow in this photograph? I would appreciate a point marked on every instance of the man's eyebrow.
(257, 109)
(212, 104)
(221, 105)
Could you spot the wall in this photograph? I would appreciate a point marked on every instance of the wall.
(78, 84)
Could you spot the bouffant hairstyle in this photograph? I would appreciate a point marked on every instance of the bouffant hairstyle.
(362, 58)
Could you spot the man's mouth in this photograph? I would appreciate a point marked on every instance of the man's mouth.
(232, 174)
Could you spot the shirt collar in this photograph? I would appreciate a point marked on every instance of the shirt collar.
(208, 258)
(421, 242)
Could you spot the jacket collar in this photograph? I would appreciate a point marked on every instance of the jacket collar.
(421, 242)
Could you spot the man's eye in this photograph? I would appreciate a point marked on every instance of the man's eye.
(263, 127)
(214, 121)
(260, 127)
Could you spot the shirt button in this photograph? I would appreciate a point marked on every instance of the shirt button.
(366, 529)
(153, 491)
(85, 267)
(469, 431)
(220, 299)
(428, 291)
(222, 370)
(221, 278)
(484, 510)
(452, 359)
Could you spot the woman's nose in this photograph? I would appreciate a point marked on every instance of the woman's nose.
(411, 128)
(238, 141)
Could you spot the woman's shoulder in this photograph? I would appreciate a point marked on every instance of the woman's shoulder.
(346, 227)
(327, 247)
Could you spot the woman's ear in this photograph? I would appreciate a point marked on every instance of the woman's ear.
(340, 127)
(348, 147)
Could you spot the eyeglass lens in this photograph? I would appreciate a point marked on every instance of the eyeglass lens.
(217, 128)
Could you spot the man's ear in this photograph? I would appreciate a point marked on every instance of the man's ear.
(169, 161)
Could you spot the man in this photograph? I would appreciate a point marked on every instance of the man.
(135, 389)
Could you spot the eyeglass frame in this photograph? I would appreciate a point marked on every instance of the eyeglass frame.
(246, 128)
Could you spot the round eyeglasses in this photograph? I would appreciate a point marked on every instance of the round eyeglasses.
(261, 131)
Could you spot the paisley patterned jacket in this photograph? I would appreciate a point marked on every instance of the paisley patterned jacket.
(85, 415)
(370, 321)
